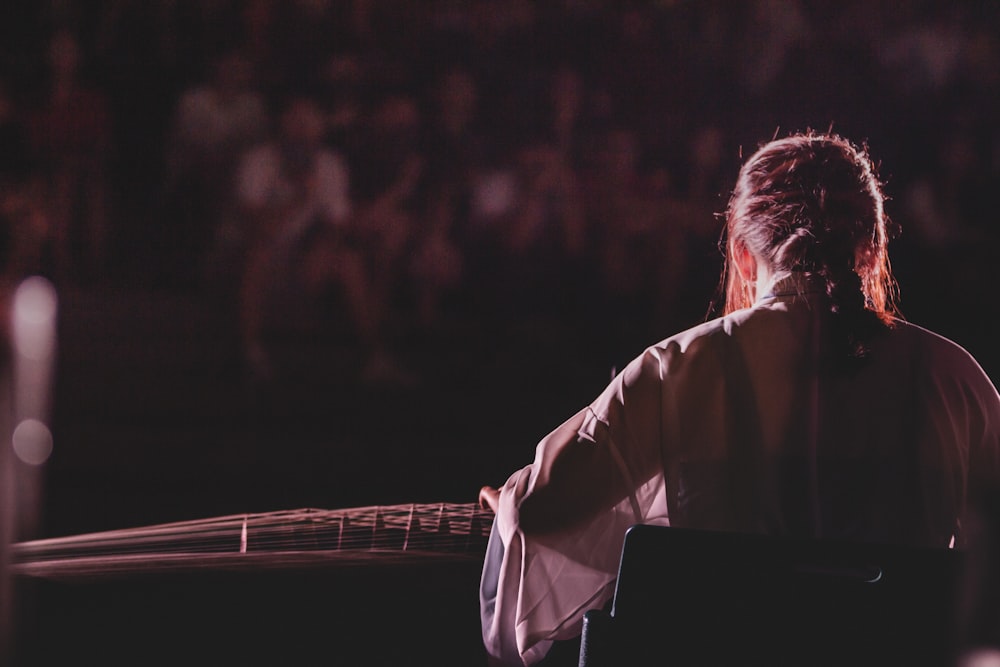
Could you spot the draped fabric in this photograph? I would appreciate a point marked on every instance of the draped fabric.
(748, 423)
(536, 591)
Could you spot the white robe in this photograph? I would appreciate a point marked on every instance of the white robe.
(741, 423)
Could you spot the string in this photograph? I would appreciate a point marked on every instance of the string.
(434, 527)
(298, 527)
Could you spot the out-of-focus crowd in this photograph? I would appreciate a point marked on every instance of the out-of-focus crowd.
(408, 163)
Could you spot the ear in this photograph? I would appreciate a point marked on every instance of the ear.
(746, 263)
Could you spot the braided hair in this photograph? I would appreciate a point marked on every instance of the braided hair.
(812, 204)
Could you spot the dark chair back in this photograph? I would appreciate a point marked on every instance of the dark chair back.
(688, 597)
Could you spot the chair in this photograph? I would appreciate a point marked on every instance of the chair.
(700, 598)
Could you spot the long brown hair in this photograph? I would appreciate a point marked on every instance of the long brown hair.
(812, 203)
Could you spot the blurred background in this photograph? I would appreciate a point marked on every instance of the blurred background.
(340, 253)
(334, 253)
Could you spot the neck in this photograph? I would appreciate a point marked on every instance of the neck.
(786, 283)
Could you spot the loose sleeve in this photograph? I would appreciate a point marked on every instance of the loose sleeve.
(561, 520)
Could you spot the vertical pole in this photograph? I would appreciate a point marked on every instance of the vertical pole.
(33, 343)
(28, 349)
(8, 510)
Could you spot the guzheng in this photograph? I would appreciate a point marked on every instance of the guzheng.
(301, 538)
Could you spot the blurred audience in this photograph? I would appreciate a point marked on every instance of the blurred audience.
(292, 196)
(487, 160)
(457, 156)
(25, 229)
(213, 124)
(387, 168)
(71, 133)
(639, 236)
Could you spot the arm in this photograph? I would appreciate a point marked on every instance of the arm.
(561, 521)
(594, 460)
(489, 498)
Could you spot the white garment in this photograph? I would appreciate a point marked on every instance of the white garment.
(741, 423)
(263, 182)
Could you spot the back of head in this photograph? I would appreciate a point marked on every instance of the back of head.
(812, 204)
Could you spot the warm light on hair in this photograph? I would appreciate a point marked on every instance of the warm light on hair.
(812, 203)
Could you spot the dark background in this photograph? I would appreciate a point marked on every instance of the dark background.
(156, 414)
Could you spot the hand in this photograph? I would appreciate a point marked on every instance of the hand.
(489, 498)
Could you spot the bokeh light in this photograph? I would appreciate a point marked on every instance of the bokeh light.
(34, 315)
(32, 442)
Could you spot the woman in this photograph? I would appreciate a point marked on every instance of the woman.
(809, 408)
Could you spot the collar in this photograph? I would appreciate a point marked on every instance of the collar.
(791, 285)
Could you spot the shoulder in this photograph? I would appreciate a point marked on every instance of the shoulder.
(941, 366)
(685, 352)
(934, 349)
(700, 338)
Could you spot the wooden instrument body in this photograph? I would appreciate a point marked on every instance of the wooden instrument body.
(365, 586)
